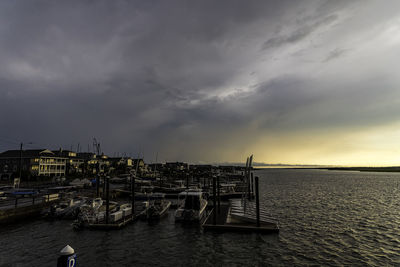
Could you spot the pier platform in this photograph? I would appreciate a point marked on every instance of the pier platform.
(113, 226)
(224, 223)
(23, 208)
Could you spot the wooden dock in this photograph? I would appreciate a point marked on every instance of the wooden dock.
(22, 208)
(113, 226)
(117, 225)
(226, 224)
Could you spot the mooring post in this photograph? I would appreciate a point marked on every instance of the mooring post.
(248, 185)
(67, 257)
(107, 180)
(104, 186)
(252, 186)
(257, 202)
(219, 197)
(97, 186)
(133, 193)
(215, 201)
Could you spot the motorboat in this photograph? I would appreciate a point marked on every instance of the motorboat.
(67, 209)
(93, 212)
(159, 207)
(192, 206)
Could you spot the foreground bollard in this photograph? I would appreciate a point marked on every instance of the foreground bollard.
(67, 257)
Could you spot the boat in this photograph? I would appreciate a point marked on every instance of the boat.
(93, 213)
(67, 209)
(192, 207)
(158, 208)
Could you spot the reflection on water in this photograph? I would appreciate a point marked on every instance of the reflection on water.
(326, 218)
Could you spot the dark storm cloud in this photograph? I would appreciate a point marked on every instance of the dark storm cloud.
(187, 79)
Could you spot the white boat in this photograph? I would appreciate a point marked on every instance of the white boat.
(67, 208)
(192, 206)
(159, 207)
(93, 212)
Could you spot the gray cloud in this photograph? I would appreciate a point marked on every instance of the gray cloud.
(186, 80)
(298, 34)
(335, 53)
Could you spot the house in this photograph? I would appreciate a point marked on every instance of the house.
(74, 164)
(93, 163)
(34, 163)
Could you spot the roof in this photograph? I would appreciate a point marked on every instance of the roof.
(31, 153)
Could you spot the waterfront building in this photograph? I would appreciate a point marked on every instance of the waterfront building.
(34, 163)
(121, 161)
(92, 163)
(120, 164)
(140, 165)
(74, 164)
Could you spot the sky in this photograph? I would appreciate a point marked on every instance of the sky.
(292, 82)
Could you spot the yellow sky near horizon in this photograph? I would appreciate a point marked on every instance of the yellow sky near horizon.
(374, 146)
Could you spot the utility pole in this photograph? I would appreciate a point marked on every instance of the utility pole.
(20, 161)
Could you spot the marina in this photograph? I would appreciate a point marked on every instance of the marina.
(302, 200)
(105, 203)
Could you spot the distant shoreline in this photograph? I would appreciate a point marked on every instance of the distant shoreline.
(360, 169)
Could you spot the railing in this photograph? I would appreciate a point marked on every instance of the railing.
(16, 201)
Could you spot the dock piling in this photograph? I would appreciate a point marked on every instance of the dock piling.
(104, 186)
(133, 193)
(215, 201)
(257, 202)
(97, 186)
(252, 186)
(107, 180)
(219, 197)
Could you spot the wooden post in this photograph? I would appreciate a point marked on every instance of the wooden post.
(107, 180)
(219, 197)
(187, 181)
(252, 186)
(16, 200)
(104, 186)
(257, 202)
(133, 193)
(215, 201)
(248, 185)
(97, 185)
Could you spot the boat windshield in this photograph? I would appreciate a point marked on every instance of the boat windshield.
(192, 202)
